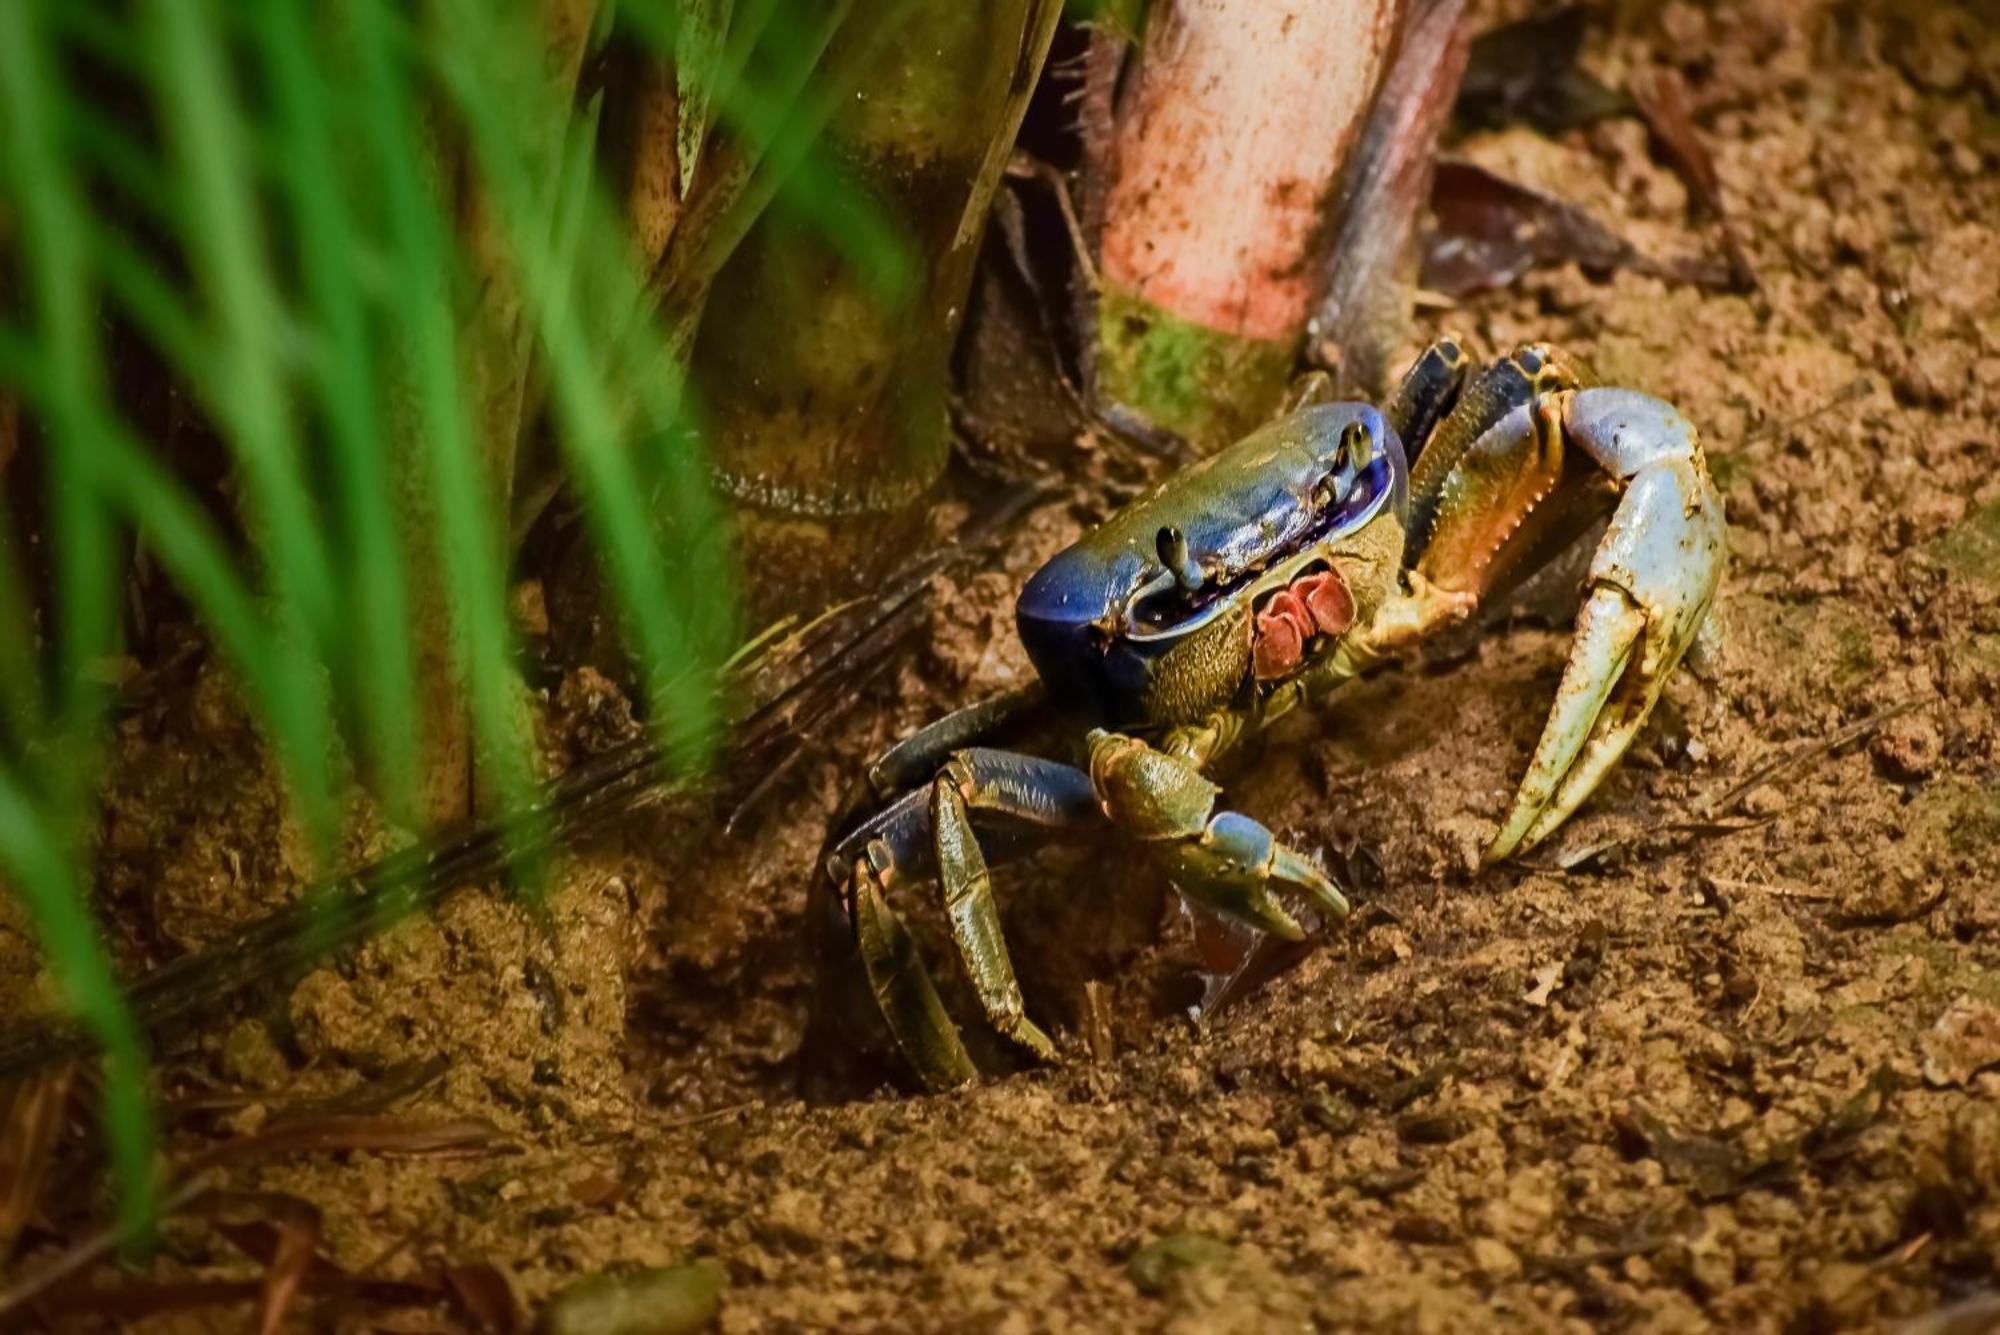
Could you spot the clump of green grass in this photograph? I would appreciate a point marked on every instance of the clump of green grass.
(377, 248)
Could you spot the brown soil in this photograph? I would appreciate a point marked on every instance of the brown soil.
(1728, 1072)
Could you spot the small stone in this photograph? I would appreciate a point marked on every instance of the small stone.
(1156, 1263)
(1494, 1259)
(1908, 748)
(1964, 1042)
(676, 1300)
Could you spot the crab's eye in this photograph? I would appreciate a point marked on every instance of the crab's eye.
(1172, 546)
(1355, 447)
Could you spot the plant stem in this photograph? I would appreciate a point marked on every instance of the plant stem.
(826, 378)
(1226, 154)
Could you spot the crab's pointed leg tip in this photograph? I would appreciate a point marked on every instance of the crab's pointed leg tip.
(1607, 630)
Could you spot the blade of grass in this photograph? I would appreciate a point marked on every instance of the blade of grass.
(56, 281)
(420, 255)
(475, 61)
(328, 245)
(204, 121)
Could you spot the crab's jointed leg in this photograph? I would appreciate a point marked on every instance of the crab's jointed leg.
(1529, 483)
(930, 833)
(1222, 859)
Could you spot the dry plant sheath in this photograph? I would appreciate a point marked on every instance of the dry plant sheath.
(1229, 140)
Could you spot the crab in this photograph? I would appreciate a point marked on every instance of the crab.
(1339, 537)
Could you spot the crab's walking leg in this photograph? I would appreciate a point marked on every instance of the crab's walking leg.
(1530, 482)
(931, 832)
(902, 985)
(918, 756)
(1427, 392)
(968, 893)
(1223, 859)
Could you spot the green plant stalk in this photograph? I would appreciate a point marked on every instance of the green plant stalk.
(825, 393)
(376, 659)
(204, 122)
(1209, 386)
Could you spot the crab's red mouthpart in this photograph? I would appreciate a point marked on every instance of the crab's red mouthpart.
(1315, 604)
(1276, 648)
(1325, 593)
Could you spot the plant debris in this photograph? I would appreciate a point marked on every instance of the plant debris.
(1488, 231)
(1662, 102)
(32, 1109)
(1528, 71)
(1366, 310)
(1717, 1169)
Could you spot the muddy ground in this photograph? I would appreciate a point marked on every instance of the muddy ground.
(1726, 1071)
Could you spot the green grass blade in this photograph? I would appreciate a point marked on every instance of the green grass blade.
(380, 676)
(194, 90)
(37, 844)
(476, 62)
(420, 247)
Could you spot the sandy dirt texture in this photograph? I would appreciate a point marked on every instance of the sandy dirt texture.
(1736, 1069)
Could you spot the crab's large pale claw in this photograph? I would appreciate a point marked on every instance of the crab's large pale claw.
(1650, 587)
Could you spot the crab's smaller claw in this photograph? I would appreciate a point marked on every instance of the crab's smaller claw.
(1650, 585)
(1223, 859)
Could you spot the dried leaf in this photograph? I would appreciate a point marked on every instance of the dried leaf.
(336, 1131)
(1490, 230)
(279, 1231)
(31, 1116)
(298, 1236)
(1662, 102)
(1528, 71)
(485, 1293)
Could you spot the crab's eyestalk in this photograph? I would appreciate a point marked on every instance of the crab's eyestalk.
(1172, 546)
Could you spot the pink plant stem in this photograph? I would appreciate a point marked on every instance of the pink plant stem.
(1227, 150)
